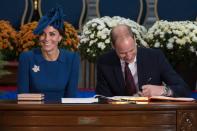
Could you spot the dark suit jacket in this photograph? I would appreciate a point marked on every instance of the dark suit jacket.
(151, 63)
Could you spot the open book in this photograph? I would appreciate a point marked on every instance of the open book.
(79, 100)
(141, 100)
(124, 99)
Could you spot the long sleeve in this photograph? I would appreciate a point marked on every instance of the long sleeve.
(101, 87)
(23, 74)
(171, 78)
(71, 89)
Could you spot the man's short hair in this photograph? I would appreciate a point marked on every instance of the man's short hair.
(127, 32)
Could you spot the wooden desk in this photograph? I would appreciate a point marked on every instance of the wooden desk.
(98, 117)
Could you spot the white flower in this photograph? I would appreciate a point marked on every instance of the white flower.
(94, 24)
(87, 32)
(107, 41)
(92, 36)
(100, 27)
(177, 39)
(91, 42)
(96, 35)
(194, 39)
(192, 49)
(101, 45)
(103, 36)
(181, 41)
(170, 46)
(157, 44)
(171, 40)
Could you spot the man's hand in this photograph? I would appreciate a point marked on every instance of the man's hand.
(152, 90)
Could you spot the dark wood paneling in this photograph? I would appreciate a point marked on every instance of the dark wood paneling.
(155, 128)
(93, 118)
(98, 117)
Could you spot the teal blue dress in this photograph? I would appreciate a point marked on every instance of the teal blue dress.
(56, 79)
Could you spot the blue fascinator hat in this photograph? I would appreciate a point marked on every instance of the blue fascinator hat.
(55, 18)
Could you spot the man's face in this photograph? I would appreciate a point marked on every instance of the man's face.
(126, 49)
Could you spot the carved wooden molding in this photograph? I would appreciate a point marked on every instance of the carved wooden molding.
(186, 120)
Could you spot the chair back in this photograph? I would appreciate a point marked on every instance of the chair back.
(30, 10)
(176, 10)
(14, 11)
(132, 9)
(145, 11)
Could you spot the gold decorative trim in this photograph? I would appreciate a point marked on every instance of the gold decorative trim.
(97, 8)
(156, 9)
(31, 12)
(39, 8)
(84, 8)
(24, 13)
(141, 10)
(147, 11)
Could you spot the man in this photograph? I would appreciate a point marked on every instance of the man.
(150, 72)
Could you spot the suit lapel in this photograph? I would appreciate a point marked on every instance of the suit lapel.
(140, 68)
(119, 76)
(118, 73)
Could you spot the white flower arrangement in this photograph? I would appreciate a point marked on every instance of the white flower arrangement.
(95, 37)
(178, 40)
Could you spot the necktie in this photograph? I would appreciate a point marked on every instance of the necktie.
(129, 81)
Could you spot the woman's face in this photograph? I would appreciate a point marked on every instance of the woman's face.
(49, 39)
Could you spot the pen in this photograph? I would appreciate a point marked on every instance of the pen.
(149, 79)
(128, 101)
(139, 93)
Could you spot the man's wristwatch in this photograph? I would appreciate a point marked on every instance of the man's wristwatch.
(165, 91)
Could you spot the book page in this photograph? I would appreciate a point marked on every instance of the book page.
(30, 95)
(164, 98)
(79, 100)
(30, 98)
(129, 98)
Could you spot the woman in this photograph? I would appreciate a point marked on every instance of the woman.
(48, 69)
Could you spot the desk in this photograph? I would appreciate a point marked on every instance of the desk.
(98, 117)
